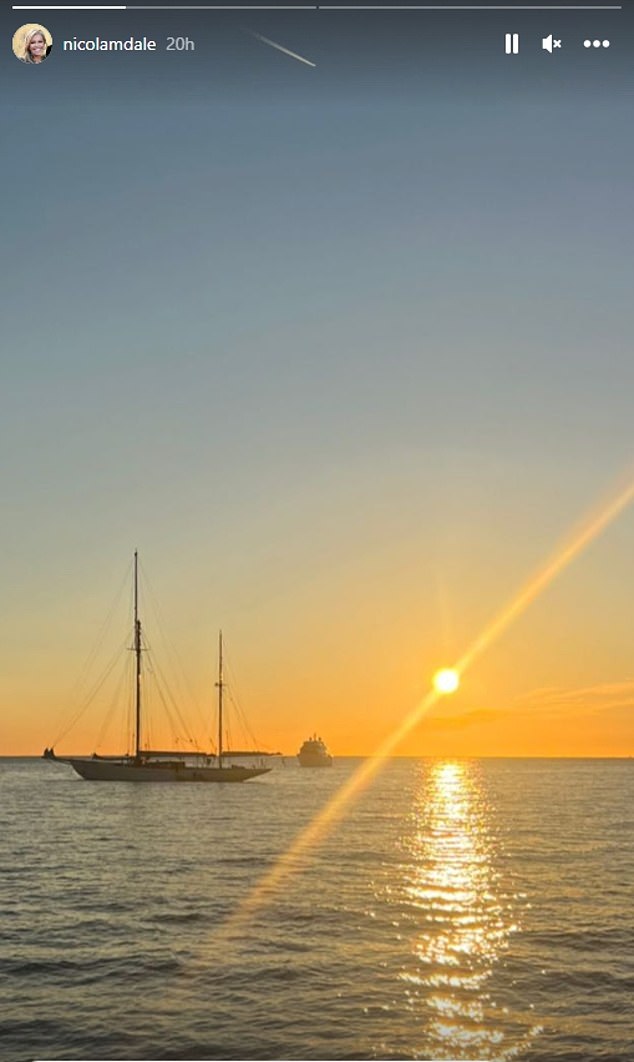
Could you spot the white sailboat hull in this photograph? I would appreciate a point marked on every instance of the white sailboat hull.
(96, 770)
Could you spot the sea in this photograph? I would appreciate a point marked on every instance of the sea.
(423, 909)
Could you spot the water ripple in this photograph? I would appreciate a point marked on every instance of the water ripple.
(462, 910)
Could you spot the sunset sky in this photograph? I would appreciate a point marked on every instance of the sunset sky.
(346, 353)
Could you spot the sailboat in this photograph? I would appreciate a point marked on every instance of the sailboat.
(158, 766)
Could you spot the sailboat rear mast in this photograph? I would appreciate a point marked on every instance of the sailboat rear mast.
(219, 686)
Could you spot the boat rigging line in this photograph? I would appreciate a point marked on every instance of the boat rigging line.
(171, 652)
(90, 698)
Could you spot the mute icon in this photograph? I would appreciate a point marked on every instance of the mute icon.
(549, 42)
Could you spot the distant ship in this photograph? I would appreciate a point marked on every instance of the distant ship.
(314, 753)
(145, 765)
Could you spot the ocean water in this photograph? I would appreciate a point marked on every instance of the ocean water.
(459, 910)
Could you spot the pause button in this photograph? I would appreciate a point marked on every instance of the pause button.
(511, 43)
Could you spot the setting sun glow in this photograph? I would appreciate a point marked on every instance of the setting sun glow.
(446, 680)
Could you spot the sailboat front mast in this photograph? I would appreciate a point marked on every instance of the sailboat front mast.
(137, 651)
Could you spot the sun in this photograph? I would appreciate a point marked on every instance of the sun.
(446, 680)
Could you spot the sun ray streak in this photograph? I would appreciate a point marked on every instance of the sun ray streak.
(591, 529)
(291, 861)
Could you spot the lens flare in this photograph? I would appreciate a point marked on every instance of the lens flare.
(290, 861)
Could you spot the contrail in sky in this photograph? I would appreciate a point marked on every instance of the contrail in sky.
(293, 55)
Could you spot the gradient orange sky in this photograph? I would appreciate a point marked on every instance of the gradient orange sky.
(556, 682)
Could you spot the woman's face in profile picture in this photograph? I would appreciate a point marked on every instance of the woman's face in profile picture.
(37, 47)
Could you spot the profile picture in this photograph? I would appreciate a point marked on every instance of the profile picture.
(32, 43)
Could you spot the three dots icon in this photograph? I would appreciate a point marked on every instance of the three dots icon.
(595, 43)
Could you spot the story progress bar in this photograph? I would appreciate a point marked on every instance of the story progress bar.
(317, 7)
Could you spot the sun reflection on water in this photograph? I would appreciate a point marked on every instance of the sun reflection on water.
(450, 895)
